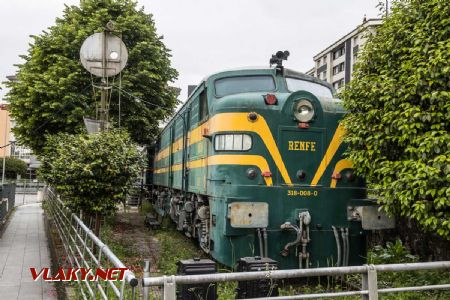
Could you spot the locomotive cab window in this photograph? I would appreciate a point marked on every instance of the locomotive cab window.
(295, 84)
(232, 142)
(203, 106)
(244, 84)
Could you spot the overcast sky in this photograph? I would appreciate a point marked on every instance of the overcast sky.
(206, 36)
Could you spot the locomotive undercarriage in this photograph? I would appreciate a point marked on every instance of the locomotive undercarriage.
(189, 211)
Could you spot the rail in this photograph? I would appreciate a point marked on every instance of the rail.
(85, 250)
(369, 285)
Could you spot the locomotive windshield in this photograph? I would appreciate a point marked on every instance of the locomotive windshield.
(244, 84)
(296, 84)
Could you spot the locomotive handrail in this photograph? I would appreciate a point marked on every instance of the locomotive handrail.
(369, 289)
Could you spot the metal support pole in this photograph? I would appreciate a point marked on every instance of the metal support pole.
(170, 288)
(104, 91)
(24, 189)
(369, 283)
(145, 290)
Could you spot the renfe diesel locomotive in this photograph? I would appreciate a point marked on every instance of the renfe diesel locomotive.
(252, 165)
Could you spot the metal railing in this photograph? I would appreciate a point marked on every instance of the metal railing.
(85, 250)
(27, 186)
(369, 285)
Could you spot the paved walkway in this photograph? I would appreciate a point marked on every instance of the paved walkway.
(23, 245)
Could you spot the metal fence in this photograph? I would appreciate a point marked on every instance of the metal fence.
(85, 250)
(369, 285)
(26, 186)
(7, 200)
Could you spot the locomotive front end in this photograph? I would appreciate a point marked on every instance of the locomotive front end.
(252, 165)
(281, 186)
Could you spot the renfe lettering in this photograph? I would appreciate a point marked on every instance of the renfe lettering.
(301, 146)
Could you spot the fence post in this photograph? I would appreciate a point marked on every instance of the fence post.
(370, 283)
(170, 288)
(145, 289)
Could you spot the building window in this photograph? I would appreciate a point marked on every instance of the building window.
(355, 52)
(355, 39)
(324, 60)
(324, 75)
(339, 52)
(339, 83)
(338, 69)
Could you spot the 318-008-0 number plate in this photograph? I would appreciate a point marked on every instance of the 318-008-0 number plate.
(303, 193)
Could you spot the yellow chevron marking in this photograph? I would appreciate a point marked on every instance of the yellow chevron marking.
(331, 151)
(237, 122)
(240, 122)
(340, 165)
(246, 160)
(253, 160)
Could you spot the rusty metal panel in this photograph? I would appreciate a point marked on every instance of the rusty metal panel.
(248, 214)
(373, 219)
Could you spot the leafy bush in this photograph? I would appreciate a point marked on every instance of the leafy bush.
(398, 128)
(13, 167)
(397, 253)
(91, 172)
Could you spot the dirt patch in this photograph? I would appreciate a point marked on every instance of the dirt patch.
(133, 241)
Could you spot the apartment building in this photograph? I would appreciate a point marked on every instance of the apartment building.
(335, 63)
(5, 130)
(14, 149)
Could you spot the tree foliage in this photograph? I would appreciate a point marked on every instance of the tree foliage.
(91, 172)
(13, 167)
(399, 120)
(53, 91)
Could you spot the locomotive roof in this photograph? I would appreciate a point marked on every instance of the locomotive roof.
(287, 73)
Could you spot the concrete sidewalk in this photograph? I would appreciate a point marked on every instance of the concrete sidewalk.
(23, 245)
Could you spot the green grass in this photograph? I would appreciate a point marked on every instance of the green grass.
(174, 246)
(146, 207)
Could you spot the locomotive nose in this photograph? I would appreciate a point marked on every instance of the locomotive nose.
(302, 150)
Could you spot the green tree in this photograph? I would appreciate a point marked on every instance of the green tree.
(13, 167)
(399, 120)
(53, 91)
(91, 172)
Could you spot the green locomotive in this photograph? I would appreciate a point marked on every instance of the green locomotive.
(252, 165)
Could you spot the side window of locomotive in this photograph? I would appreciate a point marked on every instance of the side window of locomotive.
(244, 84)
(232, 142)
(295, 84)
(203, 111)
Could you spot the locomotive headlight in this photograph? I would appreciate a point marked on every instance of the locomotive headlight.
(304, 111)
